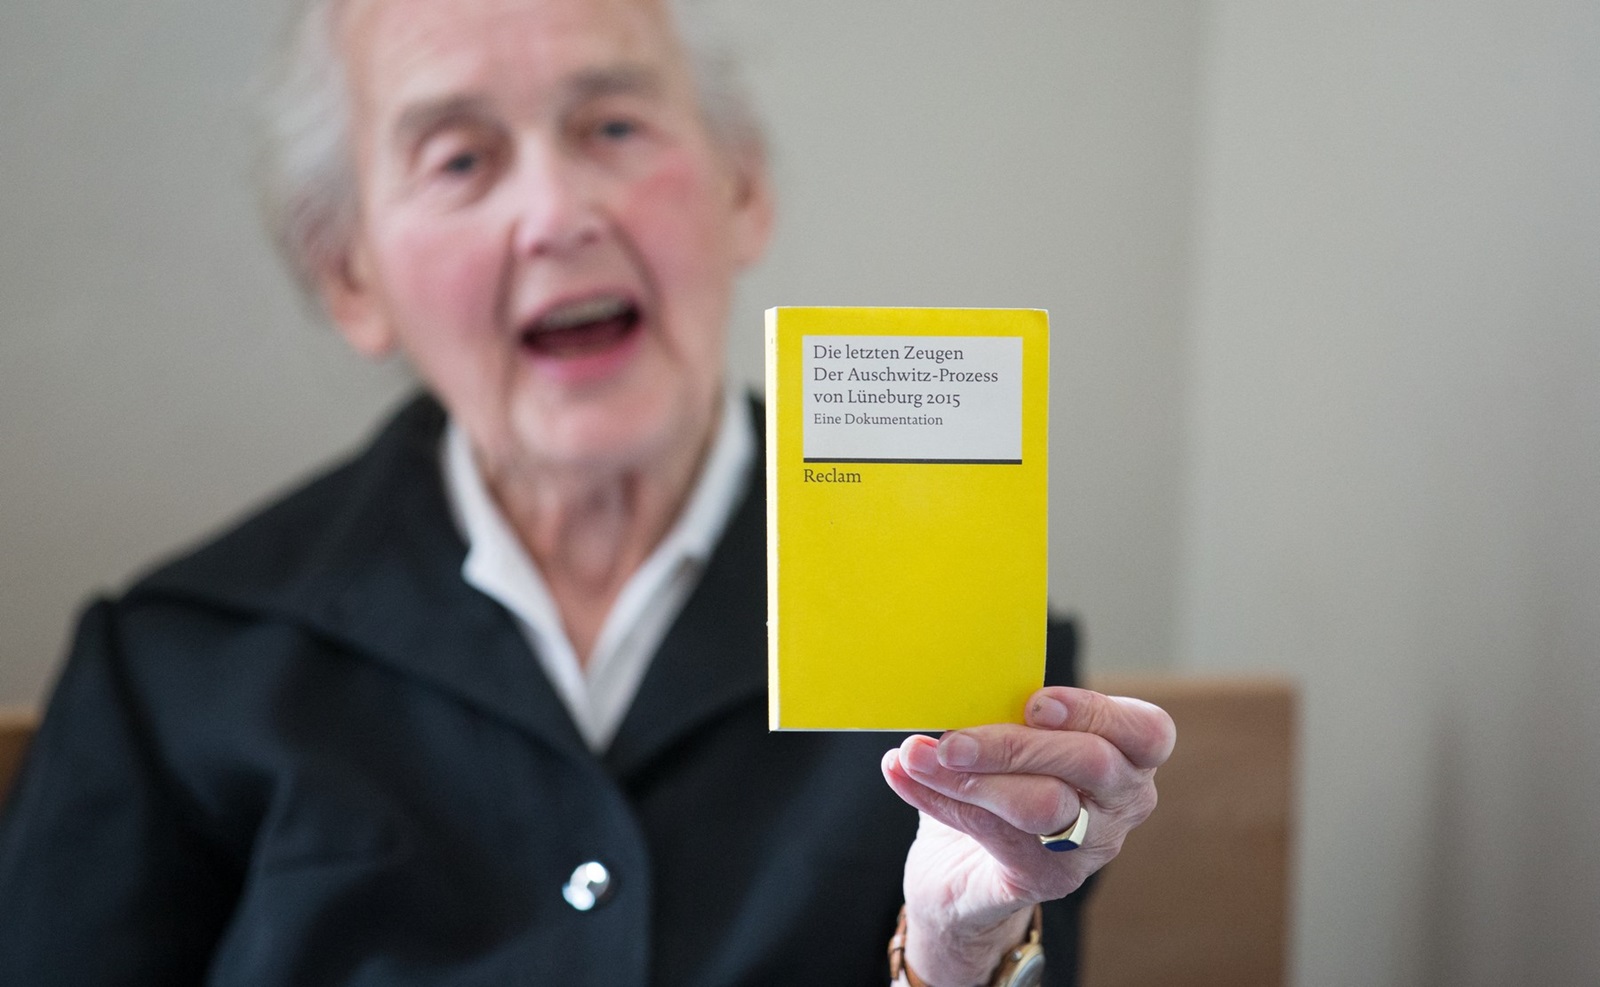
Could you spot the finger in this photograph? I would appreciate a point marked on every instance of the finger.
(1035, 873)
(1142, 731)
(1087, 762)
(1032, 803)
(993, 833)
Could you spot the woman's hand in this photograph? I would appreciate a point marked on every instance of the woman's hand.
(984, 795)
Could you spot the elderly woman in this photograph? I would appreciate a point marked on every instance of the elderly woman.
(484, 705)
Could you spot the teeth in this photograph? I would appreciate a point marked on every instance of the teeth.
(581, 313)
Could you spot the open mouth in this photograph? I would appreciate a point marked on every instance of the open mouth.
(582, 327)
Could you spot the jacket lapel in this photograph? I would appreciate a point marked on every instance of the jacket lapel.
(408, 606)
(715, 657)
(375, 563)
(410, 614)
(368, 556)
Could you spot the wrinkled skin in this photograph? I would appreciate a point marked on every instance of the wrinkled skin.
(985, 793)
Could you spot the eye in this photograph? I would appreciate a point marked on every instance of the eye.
(462, 164)
(617, 129)
(458, 161)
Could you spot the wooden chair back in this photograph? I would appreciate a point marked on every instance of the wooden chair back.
(1199, 896)
(16, 730)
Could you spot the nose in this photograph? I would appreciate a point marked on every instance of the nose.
(557, 207)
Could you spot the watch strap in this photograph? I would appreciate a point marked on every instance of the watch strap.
(898, 967)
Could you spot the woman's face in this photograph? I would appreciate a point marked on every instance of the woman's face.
(547, 228)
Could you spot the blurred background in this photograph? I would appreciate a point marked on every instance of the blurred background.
(1324, 283)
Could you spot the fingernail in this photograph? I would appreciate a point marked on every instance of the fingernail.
(957, 750)
(918, 757)
(1048, 713)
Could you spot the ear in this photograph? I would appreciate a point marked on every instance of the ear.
(348, 293)
(753, 204)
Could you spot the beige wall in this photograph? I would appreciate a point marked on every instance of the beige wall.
(1394, 465)
(1327, 329)
(1024, 152)
(157, 374)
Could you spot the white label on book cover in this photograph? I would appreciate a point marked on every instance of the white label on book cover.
(913, 399)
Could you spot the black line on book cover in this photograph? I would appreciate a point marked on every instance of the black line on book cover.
(950, 462)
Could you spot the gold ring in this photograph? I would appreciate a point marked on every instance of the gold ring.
(1070, 838)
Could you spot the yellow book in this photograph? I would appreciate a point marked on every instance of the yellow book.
(906, 516)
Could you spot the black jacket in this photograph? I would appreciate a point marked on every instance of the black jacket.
(309, 754)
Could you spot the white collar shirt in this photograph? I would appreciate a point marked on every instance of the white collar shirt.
(498, 566)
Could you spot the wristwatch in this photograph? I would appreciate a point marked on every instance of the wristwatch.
(1022, 966)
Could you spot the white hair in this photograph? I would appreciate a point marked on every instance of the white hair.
(305, 165)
